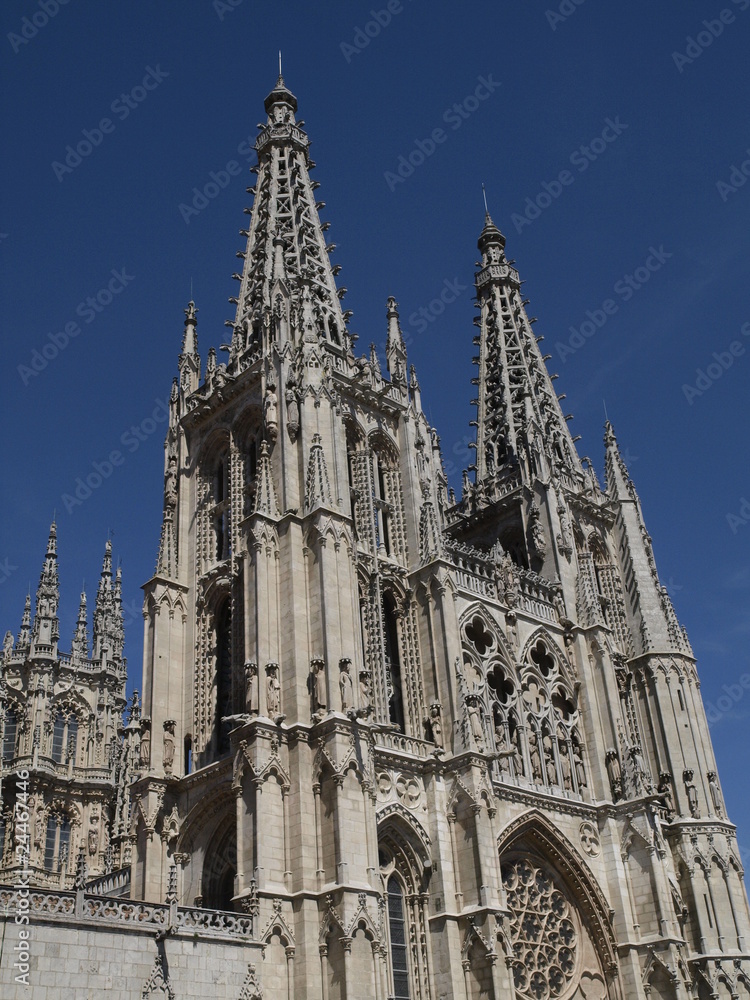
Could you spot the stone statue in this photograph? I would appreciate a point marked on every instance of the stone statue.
(169, 728)
(614, 773)
(345, 686)
(536, 760)
(436, 725)
(292, 411)
(365, 696)
(665, 790)
(692, 794)
(475, 721)
(320, 695)
(145, 753)
(713, 787)
(170, 483)
(8, 646)
(565, 765)
(93, 837)
(271, 412)
(273, 690)
(251, 687)
(518, 763)
(579, 768)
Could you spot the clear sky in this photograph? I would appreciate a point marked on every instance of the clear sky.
(641, 107)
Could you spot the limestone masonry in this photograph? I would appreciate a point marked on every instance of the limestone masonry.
(390, 743)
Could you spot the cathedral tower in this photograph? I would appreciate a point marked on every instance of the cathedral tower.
(434, 748)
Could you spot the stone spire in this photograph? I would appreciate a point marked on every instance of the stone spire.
(395, 347)
(24, 633)
(520, 425)
(317, 489)
(80, 647)
(189, 362)
(287, 273)
(107, 620)
(265, 492)
(46, 630)
(652, 612)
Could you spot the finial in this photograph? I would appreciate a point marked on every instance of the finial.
(484, 194)
(606, 415)
(280, 76)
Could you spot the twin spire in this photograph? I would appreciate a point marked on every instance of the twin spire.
(39, 640)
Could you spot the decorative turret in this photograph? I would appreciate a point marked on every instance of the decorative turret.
(80, 647)
(395, 347)
(189, 361)
(108, 636)
(519, 422)
(46, 630)
(287, 284)
(24, 633)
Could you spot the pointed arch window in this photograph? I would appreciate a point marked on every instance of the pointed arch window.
(220, 513)
(382, 505)
(10, 732)
(57, 844)
(397, 940)
(64, 737)
(393, 663)
(223, 673)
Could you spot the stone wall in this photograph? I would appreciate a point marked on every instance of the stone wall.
(82, 946)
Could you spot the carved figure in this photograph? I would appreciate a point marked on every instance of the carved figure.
(692, 794)
(292, 411)
(475, 722)
(145, 753)
(169, 728)
(436, 725)
(273, 690)
(271, 412)
(365, 697)
(713, 787)
(320, 696)
(614, 773)
(579, 768)
(251, 687)
(93, 837)
(170, 483)
(345, 686)
(665, 790)
(7, 645)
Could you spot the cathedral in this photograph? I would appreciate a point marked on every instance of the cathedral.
(390, 743)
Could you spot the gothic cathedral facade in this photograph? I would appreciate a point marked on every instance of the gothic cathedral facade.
(391, 743)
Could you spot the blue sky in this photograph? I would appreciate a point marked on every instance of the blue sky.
(641, 108)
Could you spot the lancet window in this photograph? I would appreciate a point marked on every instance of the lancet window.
(64, 737)
(10, 732)
(57, 843)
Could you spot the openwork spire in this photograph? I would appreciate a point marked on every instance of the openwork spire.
(317, 488)
(80, 647)
(46, 630)
(520, 425)
(108, 630)
(287, 275)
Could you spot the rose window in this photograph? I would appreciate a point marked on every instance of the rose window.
(543, 934)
